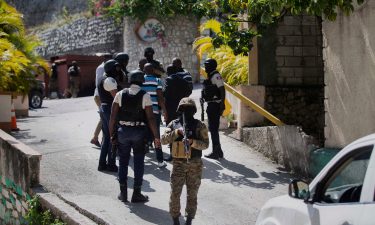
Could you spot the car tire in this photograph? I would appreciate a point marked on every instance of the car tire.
(35, 99)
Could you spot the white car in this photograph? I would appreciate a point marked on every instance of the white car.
(343, 193)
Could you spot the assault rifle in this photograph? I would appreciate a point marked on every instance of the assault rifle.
(185, 140)
(201, 100)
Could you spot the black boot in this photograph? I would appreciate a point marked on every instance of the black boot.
(176, 221)
(123, 196)
(212, 155)
(219, 151)
(188, 220)
(138, 197)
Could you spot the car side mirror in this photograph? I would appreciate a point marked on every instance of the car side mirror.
(299, 189)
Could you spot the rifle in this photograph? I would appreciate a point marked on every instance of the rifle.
(185, 140)
(201, 100)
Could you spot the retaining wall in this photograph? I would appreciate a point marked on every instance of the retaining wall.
(288, 146)
(19, 172)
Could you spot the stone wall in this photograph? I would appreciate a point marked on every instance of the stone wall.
(180, 33)
(290, 53)
(301, 106)
(82, 37)
(349, 56)
(19, 172)
(37, 12)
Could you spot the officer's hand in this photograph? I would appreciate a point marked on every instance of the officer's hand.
(180, 131)
(157, 143)
(222, 108)
(114, 140)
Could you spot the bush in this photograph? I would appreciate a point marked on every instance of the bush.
(36, 215)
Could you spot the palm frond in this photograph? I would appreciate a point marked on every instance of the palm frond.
(211, 24)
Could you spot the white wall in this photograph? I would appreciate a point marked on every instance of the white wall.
(349, 56)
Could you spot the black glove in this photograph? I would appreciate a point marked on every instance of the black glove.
(222, 108)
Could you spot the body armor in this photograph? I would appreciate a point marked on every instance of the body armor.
(210, 92)
(178, 150)
(105, 96)
(131, 107)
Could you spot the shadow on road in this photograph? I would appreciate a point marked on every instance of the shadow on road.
(151, 214)
(245, 175)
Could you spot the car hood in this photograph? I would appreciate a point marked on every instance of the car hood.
(283, 210)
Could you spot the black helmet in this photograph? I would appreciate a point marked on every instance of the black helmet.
(110, 67)
(149, 50)
(121, 57)
(136, 77)
(210, 63)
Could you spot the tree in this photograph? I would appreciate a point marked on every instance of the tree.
(18, 60)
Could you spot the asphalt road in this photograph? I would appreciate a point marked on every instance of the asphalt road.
(232, 190)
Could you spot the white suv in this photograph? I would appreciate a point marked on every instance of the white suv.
(343, 193)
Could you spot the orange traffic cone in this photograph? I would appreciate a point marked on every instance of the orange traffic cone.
(14, 120)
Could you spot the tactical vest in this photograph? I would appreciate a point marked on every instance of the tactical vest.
(210, 92)
(131, 109)
(105, 96)
(178, 150)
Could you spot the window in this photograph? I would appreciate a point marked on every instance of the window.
(345, 181)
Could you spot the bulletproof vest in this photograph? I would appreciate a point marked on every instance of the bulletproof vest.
(131, 107)
(105, 96)
(210, 92)
(192, 133)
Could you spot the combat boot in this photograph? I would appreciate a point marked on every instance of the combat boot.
(138, 197)
(123, 196)
(176, 221)
(188, 220)
(219, 151)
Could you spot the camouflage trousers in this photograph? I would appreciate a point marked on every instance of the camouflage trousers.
(189, 173)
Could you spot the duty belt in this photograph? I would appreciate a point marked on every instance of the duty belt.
(131, 123)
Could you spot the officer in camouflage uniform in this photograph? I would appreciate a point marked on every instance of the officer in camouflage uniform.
(187, 166)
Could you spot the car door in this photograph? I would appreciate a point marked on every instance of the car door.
(337, 199)
(368, 197)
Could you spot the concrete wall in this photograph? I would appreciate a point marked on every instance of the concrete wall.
(82, 37)
(180, 33)
(349, 56)
(19, 172)
(290, 53)
(288, 146)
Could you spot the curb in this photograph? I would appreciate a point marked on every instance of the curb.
(62, 209)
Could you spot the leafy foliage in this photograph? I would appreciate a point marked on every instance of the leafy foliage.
(261, 13)
(233, 68)
(36, 215)
(18, 61)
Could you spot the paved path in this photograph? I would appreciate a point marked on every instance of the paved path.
(232, 190)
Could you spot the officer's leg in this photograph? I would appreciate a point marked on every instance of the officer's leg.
(213, 126)
(106, 140)
(177, 182)
(193, 181)
(159, 151)
(124, 149)
(138, 157)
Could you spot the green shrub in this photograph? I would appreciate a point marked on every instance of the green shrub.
(37, 216)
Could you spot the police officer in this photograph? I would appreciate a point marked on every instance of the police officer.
(107, 90)
(158, 67)
(187, 165)
(123, 59)
(176, 88)
(213, 93)
(132, 108)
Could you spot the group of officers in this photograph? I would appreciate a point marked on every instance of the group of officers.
(131, 105)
